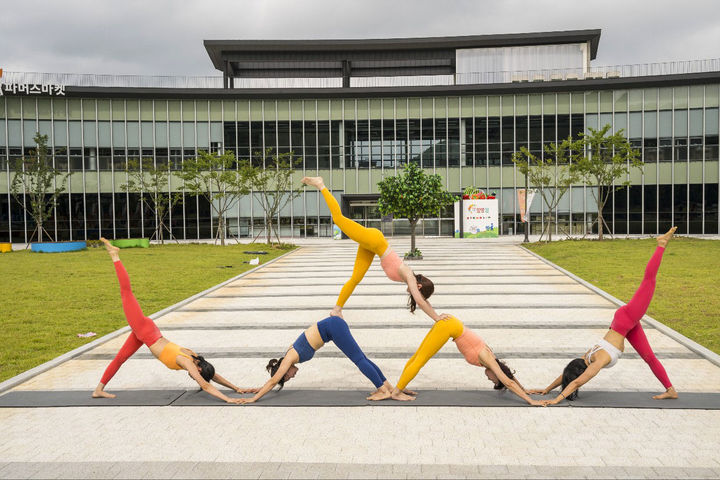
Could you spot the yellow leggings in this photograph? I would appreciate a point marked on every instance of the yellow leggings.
(439, 334)
(371, 242)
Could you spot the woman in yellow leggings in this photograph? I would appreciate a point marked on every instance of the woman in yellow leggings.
(372, 242)
(473, 348)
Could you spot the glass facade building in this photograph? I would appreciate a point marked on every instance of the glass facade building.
(353, 136)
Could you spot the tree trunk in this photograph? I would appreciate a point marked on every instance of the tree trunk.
(40, 230)
(268, 230)
(221, 229)
(413, 224)
(600, 222)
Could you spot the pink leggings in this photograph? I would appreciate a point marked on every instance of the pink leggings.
(627, 319)
(144, 330)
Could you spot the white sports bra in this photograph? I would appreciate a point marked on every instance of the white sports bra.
(611, 350)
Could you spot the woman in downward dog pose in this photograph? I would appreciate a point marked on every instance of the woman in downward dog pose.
(625, 326)
(372, 242)
(333, 329)
(473, 348)
(144, 331)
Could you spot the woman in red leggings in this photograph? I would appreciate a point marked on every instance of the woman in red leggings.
(625, 325)
(144, 331)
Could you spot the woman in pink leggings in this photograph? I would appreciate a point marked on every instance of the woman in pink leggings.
(172, 355)
(625, 325)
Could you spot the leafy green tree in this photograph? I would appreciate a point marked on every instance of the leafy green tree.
(150, 181)
(603, 161)
(220, 179)
(551, 173)
(272, 187)
(413, 194)
(37, 182)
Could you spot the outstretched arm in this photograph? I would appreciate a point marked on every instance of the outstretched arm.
(421, 302)
(588, 374)
(206, 386)
(285, 365)
(487, 358)
(555, 383)
(222, 381)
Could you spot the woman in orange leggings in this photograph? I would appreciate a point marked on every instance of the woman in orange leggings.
(372, 242)
(144, 331)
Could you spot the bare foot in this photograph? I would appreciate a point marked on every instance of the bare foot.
(670, 393)
(663, 239)
(102, 394)
(397, 395)
(337, 312)
(409, 392)
(316, 182)
(379, 395)
(112, 249)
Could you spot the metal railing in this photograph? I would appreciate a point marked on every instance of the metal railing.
(473, 78)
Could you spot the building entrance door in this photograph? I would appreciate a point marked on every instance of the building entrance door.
(365, 212)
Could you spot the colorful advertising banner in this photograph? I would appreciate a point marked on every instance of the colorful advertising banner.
(479, 218)
(521, 201)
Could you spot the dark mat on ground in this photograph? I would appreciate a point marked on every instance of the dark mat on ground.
(82, 398)
(461, 398)
(352, 398)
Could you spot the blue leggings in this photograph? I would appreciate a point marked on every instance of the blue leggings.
(336, 329)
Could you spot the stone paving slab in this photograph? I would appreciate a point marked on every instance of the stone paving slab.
(444, 301)
(239, 291)
(387, 442)
(405, 340)
(395, 316)
(333, 373)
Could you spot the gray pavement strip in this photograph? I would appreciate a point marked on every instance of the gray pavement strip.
(677, 336)
(254, 470)
(382, 275)
(398, 326)
(244, 352)
(83, 398)
(27, 375)
(306, 308)
(458, 398)
(479, 281)
(392, 294)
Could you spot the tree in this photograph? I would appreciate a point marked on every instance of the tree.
(551, 173)
(37, 180)
(220, 179)
(151, 183)
(412, 194)
(603, 160)
(272, 186)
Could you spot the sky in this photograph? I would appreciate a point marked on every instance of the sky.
(164, 37)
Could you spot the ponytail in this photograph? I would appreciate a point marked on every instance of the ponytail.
(272, 368)
(426, 289)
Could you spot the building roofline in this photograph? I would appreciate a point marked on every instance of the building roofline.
(215, 48)
(381, 92)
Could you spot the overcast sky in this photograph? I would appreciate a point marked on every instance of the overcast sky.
(164, 37)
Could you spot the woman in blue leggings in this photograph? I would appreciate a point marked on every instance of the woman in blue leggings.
(333, 329)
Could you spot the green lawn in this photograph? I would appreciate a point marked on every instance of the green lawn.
(687, 296)
(48, 298)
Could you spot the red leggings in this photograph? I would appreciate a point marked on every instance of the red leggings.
(627, 319)
(144, 330)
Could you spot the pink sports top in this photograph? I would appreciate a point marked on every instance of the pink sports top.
(391, 266)
(470, 345)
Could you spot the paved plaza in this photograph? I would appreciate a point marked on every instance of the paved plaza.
(534, 317)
